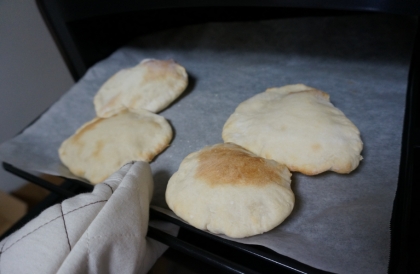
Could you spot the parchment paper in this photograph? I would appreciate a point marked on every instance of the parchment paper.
(340, 223)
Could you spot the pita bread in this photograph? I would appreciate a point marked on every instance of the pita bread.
(151, 85)
(226, 189)
(103, 145)
(297, 126)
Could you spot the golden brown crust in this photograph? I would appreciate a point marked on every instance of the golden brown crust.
(103, 145)
(151, 85)
(158, 70)
(231, 164)
(226, 189)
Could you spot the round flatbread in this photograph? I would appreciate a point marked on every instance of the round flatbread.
(226, 189)
(103, 145)
(297, 126)
(151, 85)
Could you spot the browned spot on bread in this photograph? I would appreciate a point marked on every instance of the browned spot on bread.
(157, 70)
(319, 93)
(98, 148)
(231, 164)
(147, 156)
(316, 147)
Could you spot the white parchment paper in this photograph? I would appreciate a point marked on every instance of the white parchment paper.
(340, 223)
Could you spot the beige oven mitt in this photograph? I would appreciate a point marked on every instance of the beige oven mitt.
(99, 232)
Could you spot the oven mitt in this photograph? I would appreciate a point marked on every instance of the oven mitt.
(99, 232)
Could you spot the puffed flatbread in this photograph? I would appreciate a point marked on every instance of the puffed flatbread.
(226, 189)
(151, 85)
(103, 145)
(296, 125)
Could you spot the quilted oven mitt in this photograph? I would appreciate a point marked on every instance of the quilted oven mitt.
(99, 232)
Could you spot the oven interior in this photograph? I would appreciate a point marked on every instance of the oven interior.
(88, 33)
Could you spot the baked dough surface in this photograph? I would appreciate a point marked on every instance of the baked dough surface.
(226, 189)
(103, 145)
(296, 125)
(151, 85)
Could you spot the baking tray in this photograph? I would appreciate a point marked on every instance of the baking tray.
(405, 135)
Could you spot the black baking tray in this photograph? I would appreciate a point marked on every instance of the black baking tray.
(89, 31)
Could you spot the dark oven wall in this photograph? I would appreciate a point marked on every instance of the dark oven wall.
(97, 37)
